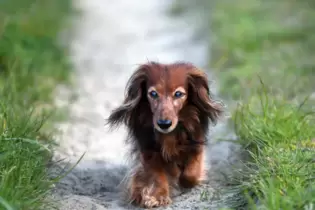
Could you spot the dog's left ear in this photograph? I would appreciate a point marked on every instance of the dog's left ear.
(200, 95)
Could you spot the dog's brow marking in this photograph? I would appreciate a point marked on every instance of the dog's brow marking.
(181, 89)
(151, 88)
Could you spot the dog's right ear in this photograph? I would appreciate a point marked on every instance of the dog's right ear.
(133, 95)
(201, 97)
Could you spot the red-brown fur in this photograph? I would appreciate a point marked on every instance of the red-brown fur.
(175, 156)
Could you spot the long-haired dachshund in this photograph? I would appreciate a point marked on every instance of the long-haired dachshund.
(167, 110)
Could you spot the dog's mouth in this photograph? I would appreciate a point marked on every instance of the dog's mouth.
(164, 131)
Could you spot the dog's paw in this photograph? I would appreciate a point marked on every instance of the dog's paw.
(166, 200)
(150, 198)
(151, 201)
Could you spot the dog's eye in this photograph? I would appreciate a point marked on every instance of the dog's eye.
(154, 94)
(178, 94)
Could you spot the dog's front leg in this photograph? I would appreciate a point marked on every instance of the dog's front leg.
(193, 171)
(149, 185)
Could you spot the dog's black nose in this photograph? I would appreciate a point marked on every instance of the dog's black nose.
(164, 124)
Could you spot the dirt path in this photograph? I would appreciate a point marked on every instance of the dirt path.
(111, 39)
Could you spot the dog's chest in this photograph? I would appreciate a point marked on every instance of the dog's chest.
(176, 148)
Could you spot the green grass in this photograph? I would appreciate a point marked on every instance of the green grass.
(274, 40)
(280, 139)
(32, 63)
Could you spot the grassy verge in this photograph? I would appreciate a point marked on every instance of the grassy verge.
(280, 139)
(31, 64)
(275, 40)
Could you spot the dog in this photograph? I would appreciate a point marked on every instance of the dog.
(167, 109)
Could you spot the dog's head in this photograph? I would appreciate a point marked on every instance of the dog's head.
(158, 93)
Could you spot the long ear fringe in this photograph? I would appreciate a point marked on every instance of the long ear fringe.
(133, 95)
(202, 96)
(121, 114)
